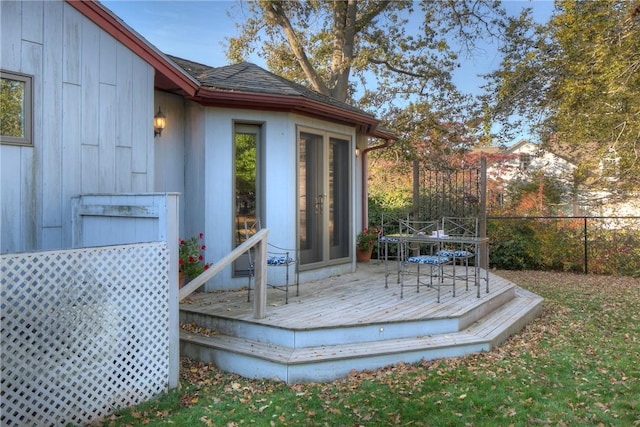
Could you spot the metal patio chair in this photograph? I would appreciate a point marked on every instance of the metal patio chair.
(389, 244)
(418, 251)
(389, 225)
(277, 258)
(460, 253)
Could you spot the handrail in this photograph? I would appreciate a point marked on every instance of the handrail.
(259, 240)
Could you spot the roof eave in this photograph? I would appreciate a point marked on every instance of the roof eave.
(168, 77)
(298, 104)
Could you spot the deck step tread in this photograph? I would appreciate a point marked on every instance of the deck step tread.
(292, 356)
(519, 310)
(495, 324)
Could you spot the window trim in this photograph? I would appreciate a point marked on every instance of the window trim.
(26, 140)
(525, 160)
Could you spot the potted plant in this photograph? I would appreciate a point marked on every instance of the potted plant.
(190, 258)
(365, 242)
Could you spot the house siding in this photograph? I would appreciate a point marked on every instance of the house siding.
(92, 115)
(209, 180)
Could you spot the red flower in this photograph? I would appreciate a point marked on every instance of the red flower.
(190, 258)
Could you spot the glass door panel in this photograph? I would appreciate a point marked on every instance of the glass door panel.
(311, 198)
(338, 200)
(246, 143)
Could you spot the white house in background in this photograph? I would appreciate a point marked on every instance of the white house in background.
(522, 159)
(90, 87)
(519, 161)
(525, 157)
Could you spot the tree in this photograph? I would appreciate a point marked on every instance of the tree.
(407, 50)
(576, 79)
(394, 58)
(537, 195)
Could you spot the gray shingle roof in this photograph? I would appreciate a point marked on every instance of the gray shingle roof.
(248, 77)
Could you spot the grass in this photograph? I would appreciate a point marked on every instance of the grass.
(578, 364)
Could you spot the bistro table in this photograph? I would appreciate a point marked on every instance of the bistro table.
(476, 245)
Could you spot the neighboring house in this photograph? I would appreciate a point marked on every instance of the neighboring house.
(239, 141)
(521, 160)
(525, 157)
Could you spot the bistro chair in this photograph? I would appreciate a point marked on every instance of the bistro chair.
(285, 260)
(417, 250)
(388, 228)
(459, 252)
(389, 244)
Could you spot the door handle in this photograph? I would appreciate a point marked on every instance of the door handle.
(320, 203)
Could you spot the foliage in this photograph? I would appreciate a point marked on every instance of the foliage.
(512, 245)
(575, 365)
(433, 133)
(245, 151)
(539, 195)
(558, 244)
(367, 238)
(576, 79)
(11, 106)
(407, 51)
(405, 47)
(389, 186)
(190, 256)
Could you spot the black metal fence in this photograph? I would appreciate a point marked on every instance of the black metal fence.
(588, 244)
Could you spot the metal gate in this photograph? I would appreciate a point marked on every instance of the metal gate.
(457, 192)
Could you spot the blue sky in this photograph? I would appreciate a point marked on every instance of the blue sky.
(196, 30)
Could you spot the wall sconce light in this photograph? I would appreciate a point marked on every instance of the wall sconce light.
(357, 152)
(159, 122)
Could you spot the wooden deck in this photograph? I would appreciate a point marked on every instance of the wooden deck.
(351, 322)
(351, 299)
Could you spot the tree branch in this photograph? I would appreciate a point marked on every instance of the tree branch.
(275, 11)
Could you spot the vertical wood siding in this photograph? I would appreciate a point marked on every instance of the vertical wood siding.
(93, 111)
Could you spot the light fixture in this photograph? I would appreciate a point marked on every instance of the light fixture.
(159, 122)
(357, 152)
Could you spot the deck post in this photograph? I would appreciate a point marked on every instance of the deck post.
(482, 232)
(260, 277)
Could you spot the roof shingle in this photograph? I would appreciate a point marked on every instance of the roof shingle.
(248, 77)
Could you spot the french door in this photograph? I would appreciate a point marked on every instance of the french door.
(324, 190)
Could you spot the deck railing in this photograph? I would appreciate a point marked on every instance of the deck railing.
(257, 241)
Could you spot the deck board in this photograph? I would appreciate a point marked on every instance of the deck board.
(350, 299)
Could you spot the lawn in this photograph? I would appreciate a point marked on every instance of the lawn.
(578, 364)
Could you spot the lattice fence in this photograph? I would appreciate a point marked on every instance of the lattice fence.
(84, 332)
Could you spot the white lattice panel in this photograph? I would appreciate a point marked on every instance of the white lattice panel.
(84, 332)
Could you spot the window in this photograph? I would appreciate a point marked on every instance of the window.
(247, 180)
(15, 108)
(525, 161)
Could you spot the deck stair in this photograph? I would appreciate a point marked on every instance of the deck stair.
(336, 328)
